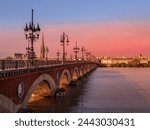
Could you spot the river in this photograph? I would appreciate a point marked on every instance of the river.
(125, 90)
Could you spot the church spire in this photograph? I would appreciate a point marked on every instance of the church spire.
(42, 51)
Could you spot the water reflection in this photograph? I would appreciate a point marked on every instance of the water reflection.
(104, 90)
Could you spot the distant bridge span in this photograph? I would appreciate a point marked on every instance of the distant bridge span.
(17, 86)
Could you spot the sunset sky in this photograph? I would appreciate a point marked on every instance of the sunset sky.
(104, 27)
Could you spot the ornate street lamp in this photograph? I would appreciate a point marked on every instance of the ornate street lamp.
(66, 55)
(87, 55)
(64, 39)
(31, 34)
(83, 51)
(58, 54)
(28, 50)
(76, 50)
(71, 58)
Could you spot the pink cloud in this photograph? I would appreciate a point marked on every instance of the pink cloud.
(128, 38)
(106, 38)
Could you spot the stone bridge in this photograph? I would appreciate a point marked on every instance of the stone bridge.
(17, 86)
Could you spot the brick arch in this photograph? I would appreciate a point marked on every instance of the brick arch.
(76, 70)
(7, 105)
(44, 77)
(88, 68)
(82, 71)
(85, 69)
(67, 72)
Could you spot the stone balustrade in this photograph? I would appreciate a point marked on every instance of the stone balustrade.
(20, 64)
(14, 68)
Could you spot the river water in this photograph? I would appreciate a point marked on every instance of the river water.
(103, 90)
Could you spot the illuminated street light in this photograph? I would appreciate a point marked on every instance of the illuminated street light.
(31, 34)
(58, 54)
(76, 50)
(64, 39)
(87, 55)
(83, 52)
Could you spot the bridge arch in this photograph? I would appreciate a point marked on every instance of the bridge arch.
(88, 68)
(85, 69)
(7, 105)
(82, 71)
(75, 74)
(44, 77)
(65, 78)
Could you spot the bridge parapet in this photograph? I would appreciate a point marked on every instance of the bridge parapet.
(43, 67)
(12, 64)
(19, 64)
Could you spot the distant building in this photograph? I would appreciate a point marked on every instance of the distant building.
(42, 49)
(19, 56)
(9, 58)
(109, 61)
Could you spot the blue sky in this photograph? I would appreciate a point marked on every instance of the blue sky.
(14, 12)
(108, 27)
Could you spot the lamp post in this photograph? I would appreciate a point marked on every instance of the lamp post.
(31, 34)
(83, 51)
(71, 58)
(58, 54)
(64, 40)
(76, 50)
(87, 55)
(90, 56)
(28, 52)
(66, 55)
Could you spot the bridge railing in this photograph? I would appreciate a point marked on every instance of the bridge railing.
(23, 64)
(12, 64)
(19, 64)
(23, 70)
(48, 62)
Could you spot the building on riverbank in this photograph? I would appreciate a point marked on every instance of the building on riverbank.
(125, 61)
